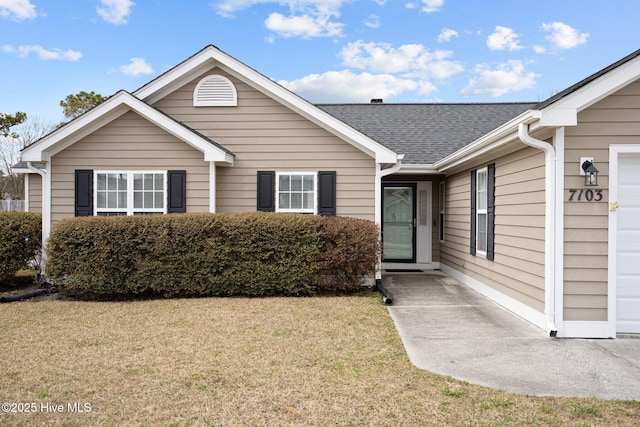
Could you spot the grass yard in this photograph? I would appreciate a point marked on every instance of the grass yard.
(244, 362)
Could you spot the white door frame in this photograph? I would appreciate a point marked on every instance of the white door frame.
(614, 152)
(424, 239)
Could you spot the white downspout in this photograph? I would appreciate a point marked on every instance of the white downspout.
(212, 187)
(46, 210)
(381, 173)
(550, 224)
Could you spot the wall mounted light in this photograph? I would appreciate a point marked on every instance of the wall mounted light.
(590, 173)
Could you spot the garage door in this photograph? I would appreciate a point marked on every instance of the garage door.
(628, 244)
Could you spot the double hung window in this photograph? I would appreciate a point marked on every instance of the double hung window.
(296, 192)
(483, 207)
(130, 192)
(481, 212)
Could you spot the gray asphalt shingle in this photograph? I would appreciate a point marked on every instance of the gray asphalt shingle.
(425, 133)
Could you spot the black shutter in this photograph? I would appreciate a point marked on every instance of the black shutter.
(176, 191)
(327, 193)
(83, 193)
(266, 201)
(472, 236)
(491, 186)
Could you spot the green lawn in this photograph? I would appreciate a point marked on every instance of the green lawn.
(319, 361)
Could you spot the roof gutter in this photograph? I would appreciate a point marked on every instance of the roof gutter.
(417, 169)
(550, 224)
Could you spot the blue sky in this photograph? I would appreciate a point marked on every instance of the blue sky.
(327, 51)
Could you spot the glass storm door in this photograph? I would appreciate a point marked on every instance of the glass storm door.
(399, 222)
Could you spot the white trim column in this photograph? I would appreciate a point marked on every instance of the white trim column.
(26, 192)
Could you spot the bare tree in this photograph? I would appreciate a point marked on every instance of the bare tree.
(23, 134)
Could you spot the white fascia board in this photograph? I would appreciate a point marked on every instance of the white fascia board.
(198, 63)
(109, 110)
(323, 119)
(559, 117)
(177, 76)
(211, 152)
(600, 88)
(21, 170)
(78, 128)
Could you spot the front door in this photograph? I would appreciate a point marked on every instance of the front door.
(399, 222)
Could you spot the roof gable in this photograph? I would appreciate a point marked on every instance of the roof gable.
(211, 56)
(561, 109)
(114, 107)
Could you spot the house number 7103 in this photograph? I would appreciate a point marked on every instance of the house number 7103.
(589, 195)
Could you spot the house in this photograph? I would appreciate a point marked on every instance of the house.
(496, 195)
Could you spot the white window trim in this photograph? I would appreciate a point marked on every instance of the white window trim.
(314, 210)
(130, 210)
(481, 211)
(441, 210)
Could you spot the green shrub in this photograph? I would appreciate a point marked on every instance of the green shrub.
(20, 241)
(349, 253)
(255, 254)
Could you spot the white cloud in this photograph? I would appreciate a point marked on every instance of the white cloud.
(227, 8)
(410, 59)
(509, 77)
(115, 11)
(305, 26)
(432, 5)
(17, 10)
(43, 54)
(306, 18)
(564, 36)
(136, 67)
(503, 38)
(373, 21)
(346, 86)
(428, 6)
(447, 34)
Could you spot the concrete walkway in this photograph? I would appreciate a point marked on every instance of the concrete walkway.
(450, 329)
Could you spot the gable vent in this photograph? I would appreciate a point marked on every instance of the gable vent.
(215, 90)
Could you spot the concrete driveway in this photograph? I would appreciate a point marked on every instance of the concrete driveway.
(450, 329)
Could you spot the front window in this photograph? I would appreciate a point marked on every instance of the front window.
(130, 193)
(481, 215)
(296, 192)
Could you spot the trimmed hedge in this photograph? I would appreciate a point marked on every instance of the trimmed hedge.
(256, 254)
(20, 241)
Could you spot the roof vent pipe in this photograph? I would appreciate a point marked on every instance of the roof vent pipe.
(376, 100)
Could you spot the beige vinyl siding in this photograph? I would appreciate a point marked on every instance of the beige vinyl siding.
(265, 135)
(35, 193)
(614, 120)
(518, 267)
(130, 142)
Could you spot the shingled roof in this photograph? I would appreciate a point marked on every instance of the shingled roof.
(425, 133)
